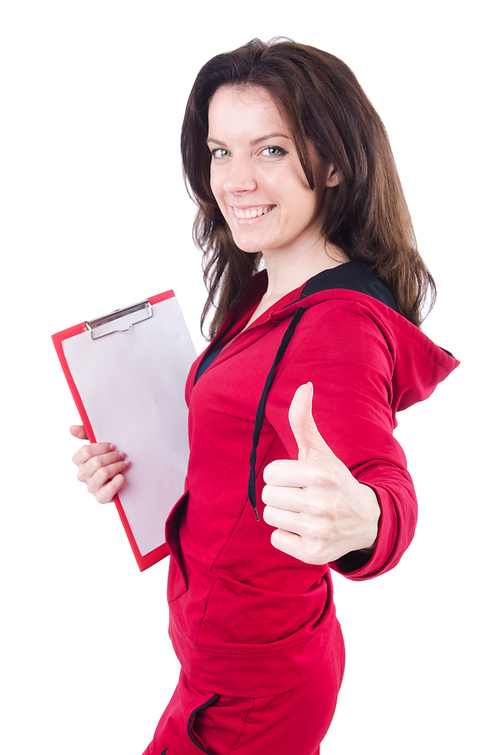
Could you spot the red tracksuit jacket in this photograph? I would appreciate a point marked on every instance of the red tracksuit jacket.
(247, 620)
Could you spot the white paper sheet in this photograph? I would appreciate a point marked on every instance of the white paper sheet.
(132, 386)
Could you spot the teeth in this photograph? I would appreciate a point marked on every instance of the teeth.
(255, 213)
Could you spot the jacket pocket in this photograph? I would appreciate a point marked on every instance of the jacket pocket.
(194, 737)
(177, 579)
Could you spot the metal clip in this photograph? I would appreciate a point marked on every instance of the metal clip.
(120, 320)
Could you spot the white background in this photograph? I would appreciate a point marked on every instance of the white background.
(95, 217)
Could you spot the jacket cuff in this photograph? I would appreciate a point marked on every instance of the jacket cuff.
(389, 546)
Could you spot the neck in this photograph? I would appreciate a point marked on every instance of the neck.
(287, 272)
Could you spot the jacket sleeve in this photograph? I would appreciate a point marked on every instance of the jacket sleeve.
(349, 356)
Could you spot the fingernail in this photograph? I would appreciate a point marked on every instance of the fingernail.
(112, 447)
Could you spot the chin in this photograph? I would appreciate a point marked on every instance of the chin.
(248, 250)
(246, 246)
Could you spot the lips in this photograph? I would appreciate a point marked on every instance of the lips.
(248, 213)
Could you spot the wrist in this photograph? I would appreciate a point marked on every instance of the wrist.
(371, 509)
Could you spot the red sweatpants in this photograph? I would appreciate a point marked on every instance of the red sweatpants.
(292, 723)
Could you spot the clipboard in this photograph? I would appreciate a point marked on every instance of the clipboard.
(127, 372)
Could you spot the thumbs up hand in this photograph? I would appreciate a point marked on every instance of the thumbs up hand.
(320, 511)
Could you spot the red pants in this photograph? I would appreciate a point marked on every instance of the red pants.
(292, 723)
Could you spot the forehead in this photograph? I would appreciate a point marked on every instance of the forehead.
(244, 109)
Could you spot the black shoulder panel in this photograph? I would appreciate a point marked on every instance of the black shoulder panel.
(354, 276)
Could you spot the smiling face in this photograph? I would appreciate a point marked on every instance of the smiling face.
(256, 176)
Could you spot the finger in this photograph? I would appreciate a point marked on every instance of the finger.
(287, 542)
(298, 547)
(289, 499)
(309, 441)
(78, 432)
(108, 491)
(85, 453)
(101, 461)
(314, 529)
(103, 475)
(284, 519)
(287, 473)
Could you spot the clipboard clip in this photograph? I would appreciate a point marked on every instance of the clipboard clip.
(120, 320)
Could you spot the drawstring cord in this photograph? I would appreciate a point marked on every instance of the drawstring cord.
(259, 416)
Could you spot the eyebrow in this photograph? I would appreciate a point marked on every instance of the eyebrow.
(254, 141)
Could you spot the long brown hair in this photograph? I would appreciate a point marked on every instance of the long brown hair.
(322, 102)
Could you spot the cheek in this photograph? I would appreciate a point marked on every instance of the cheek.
(298, 193)
(213, 185)
(216, 188)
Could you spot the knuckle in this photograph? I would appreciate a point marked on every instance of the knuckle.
(319, 529)
(313, 532)
(268, 473)
(324, 478)
(105, 493)
(95, 463)
(314, 509)
(317, 554)
(85, 453)
(268, 495)
(318, 510)
(267, 515)
(101, 476)
(316, 477)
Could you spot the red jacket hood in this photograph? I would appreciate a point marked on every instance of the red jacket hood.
(419, 365)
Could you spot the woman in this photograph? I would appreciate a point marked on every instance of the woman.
(292, 171)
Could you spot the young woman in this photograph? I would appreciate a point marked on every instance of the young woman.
(318, 290)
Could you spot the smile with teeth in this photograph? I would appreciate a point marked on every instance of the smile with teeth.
(253, 212)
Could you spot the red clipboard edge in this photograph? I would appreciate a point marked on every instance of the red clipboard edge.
(148, 559)
(58, 340)
(156, 555)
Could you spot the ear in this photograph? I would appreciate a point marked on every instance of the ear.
(333, 176)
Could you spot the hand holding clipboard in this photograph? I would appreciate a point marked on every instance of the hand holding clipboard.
(127, 372)
(100, 466)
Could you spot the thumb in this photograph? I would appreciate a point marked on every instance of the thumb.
(311, 444)
(78, 432)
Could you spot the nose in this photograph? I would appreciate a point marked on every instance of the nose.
(240, 176)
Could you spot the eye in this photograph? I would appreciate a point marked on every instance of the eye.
(274, 151)
(219, 153)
